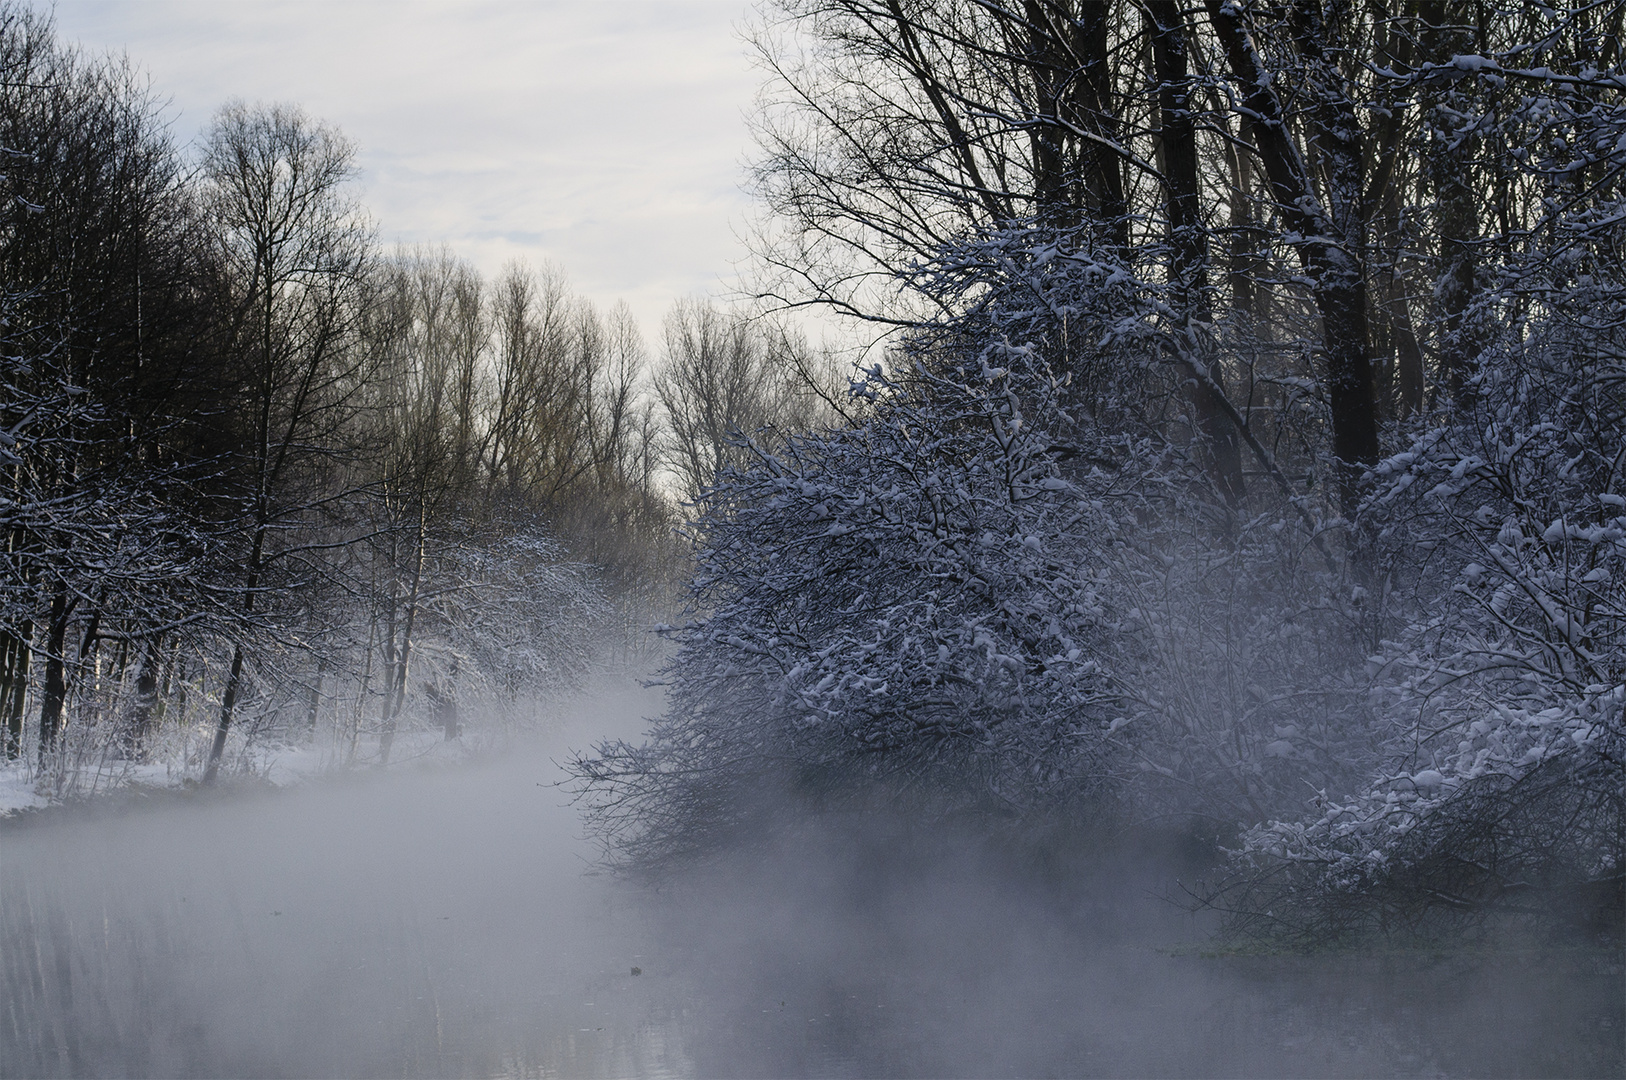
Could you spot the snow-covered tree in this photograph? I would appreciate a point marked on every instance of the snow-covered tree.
(1501, 676)
(914, 603)
(1501, 786)
(101, 364)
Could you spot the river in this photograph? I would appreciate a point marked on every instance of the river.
(439, 922)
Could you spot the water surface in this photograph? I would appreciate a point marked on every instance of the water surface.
(438, 922)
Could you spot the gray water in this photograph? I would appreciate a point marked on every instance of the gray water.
(440, 923)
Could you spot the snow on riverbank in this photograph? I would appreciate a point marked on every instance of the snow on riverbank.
(619, 701)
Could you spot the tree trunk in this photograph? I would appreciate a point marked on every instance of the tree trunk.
(146, 702)
(175, 677)
(1329, 238)
(234, 678)
(313, 703)
(395, 695)
(1409, 388)
(1400, 381)
(1245, 257)
(1456, 210)
(55, 692)
(1188, 243)
(15, 692)
(11, 651)
(1048, 65)
(1100, 169)
(228, 702)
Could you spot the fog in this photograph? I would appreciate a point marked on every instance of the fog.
(441, 921)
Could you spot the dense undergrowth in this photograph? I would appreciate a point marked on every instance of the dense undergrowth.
(984, 599)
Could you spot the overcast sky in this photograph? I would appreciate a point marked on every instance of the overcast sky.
(605, 137)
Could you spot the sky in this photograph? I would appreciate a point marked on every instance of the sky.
(607, 138)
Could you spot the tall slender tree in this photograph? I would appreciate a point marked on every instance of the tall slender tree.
(294, 251)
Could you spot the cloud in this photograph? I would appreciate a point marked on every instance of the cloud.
(606, 138)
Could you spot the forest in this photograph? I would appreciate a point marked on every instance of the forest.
(1227, 438)
(265, 482)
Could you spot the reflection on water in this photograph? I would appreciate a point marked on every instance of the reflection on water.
(439, 924)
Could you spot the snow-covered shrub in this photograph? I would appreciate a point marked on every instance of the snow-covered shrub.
(1237, 636)
(1247, 690)
(1000, 590)
(1082, 313)
(1502, 787)
(913, 605)
(525, 617)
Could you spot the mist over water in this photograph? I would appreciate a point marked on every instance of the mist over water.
(439, 922)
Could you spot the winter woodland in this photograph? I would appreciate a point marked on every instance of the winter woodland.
(1233, 440)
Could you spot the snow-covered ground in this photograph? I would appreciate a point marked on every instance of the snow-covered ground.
(281, 764)
(619, 702)
(17, 788)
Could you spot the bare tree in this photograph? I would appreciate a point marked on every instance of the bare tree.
(717, 384)
(294, 249)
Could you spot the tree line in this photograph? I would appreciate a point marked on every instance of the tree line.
(1241, 446)
(260, 477)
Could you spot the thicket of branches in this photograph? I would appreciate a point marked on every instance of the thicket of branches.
(1243, 447)
(263, 482)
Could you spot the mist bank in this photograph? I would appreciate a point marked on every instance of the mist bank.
(442, 921)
